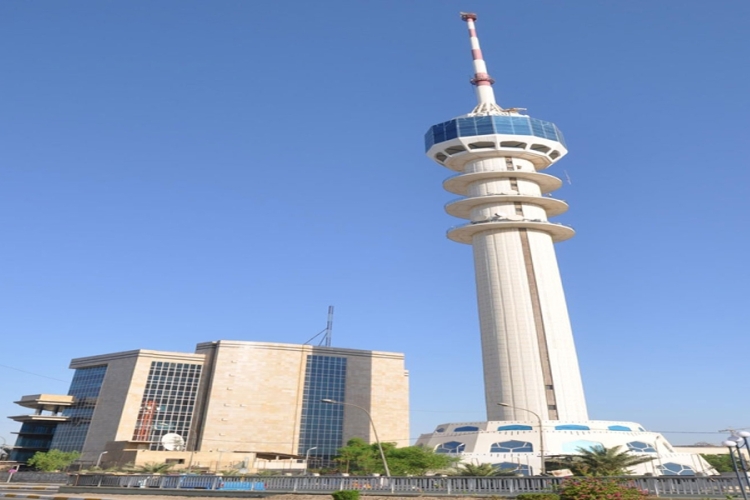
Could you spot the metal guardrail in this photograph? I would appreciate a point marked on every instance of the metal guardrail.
(705, 486)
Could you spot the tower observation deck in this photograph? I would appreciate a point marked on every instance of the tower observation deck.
(529, 356)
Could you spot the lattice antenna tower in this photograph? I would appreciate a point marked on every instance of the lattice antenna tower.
(327, 334)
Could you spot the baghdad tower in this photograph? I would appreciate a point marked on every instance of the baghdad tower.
(527, 344)
(533, 389)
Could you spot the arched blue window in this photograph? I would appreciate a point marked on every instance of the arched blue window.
(440, 429)
(522, 469)
(512, 447)
(466, 428)
(450, 447)
(515, 427)
(674, 469)
(619, 428)
(641, 447)
(572, 427)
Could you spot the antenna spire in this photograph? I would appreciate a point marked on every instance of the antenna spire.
(486, 104)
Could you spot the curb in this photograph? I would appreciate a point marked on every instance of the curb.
(47, 497)
(47, 488)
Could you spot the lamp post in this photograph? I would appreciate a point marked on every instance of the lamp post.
(733, 446)
(541, 432)
(99, 459)
(744, 435)
(307, 457)
(374, 430)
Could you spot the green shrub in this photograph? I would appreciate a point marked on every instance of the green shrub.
(538, 496)
(345, 495)
(590, 488)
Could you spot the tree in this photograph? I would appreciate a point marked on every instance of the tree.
(600, 461)
(52, 460)
(416, 460)
(722, 463)
(357, 457)
(360, 458)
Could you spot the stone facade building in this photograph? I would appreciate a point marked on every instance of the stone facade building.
(231, 403)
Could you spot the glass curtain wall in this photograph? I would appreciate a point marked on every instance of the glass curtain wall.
(322, 424)
(168, 404)
(85, 387)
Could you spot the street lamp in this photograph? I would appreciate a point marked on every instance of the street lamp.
(541, 431)
(99, 459)
(374, 430)
(307, 457)
(734, 446)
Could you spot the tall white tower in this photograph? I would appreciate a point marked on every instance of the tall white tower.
(529, 357)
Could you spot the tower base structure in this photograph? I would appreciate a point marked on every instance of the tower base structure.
(517, 446)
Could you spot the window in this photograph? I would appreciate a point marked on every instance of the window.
(512, 447)
(675, 469)
(85, 387)
(450, 447)
(455, 149)
(572, 427)
(485, 125)
(621, 428)
(466, 428)
(322, 424)
(540, 147)
(641, 447)
(515, 427)
(168, 404)
(508, 467)
(481, 145)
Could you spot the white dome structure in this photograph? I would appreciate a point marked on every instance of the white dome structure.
(516, 446)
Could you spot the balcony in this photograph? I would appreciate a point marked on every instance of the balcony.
(465, 232)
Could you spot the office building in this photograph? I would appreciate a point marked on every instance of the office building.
(227, 401)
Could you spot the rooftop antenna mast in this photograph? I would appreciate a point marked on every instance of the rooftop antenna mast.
(327, 333)
(482, 80)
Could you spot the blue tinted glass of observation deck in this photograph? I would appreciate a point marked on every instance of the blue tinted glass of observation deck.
(467, 127)
(489, 125)
(484, 125)
(451, 130)
(503, 125)
(520, 125)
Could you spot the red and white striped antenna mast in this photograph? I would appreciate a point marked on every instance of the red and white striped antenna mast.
(486, 104)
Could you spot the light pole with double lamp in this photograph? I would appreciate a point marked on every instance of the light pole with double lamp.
(541, 431)
(737, 464)
(374, 430)
(307, 457)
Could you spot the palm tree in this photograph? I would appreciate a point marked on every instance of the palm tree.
(602, 461)
(153, 467)
(481, 470)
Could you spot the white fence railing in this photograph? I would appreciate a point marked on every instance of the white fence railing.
(717, 486)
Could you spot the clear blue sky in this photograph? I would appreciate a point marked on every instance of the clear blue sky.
(178, 171)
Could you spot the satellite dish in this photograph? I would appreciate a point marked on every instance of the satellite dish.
(172, 442)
